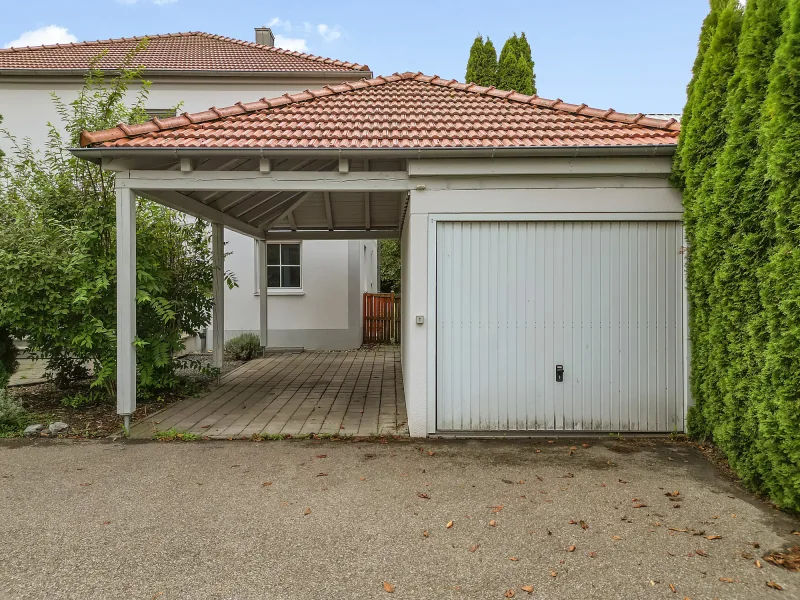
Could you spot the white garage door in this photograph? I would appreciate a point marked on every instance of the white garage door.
(516, 300)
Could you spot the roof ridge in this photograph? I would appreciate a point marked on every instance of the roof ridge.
(214, 36)
(240, 108)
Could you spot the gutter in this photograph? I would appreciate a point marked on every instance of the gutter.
(97, 154)
(332, 75)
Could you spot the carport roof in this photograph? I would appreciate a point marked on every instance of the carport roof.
(401, 111)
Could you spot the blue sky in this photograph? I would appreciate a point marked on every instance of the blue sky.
(632, 55)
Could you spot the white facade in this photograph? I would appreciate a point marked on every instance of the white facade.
(325, 313)
(443, 287)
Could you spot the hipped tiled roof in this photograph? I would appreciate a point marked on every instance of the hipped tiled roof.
(400, 111)
(190, 51)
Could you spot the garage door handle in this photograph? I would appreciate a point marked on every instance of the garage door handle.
(559, 373)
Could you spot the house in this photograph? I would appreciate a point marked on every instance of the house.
(542, 245)
(315, 286)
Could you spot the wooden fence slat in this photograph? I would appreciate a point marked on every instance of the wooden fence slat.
(381, 318)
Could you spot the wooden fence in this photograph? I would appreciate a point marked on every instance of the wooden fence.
(381, 319)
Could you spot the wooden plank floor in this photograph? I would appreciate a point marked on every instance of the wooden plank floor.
(357, 392)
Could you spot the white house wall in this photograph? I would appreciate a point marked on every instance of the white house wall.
(618, 198)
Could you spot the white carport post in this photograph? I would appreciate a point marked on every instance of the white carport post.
(262, 290)
(218, 292)
(126, 304)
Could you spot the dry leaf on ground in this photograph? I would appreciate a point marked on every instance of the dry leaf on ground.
(513, 558)
(509, 593)
(425, 533)
(423, 495)
(789, 559)
(774, 585)
(527, 588)
(571, 549)
(553, 574)
(474, 548)
(322, 456)
(388, 587)
(701, 553)
(727, 579)
(713, 537)
(492, 523)
(449, 525)
(266, 483)
(616, 538)
(307, 511)
(673, 588)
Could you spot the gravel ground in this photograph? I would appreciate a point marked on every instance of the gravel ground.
(325, 519)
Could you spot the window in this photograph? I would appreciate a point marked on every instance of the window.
(283, 266)
(161, 113)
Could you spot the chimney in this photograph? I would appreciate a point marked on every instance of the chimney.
(264, 36)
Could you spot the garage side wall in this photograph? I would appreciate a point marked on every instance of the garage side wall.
(624, 198)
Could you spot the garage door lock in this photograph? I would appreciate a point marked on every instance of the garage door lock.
(559, 373)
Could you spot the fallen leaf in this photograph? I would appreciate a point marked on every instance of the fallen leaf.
(431, 453)
(527, 588)
(474, 548)
(727, 579)
(795, 532)
(522, 482)
(713, 537)
(423, 495)
(507, 481)
(755, 544)
(585, 445)
(266, 483)
(492, 523)
(774, 585)
(622, 481)
(616, 538)
(322, 474)
(640, 505)
(388, 587)
(85, 484)
(322, 456)
(513, 558)
(573, 522)
(449, 525)
(674, 494)
(584, 525)
(106, 522)
(362, 478)
(790, 559)
(509, 593)
(701, 553)
(551, 441)
(307, 511)
(673, 588)
(571, 549)
(496, 509)
(425, 533)
(538, 451)
(758, 564)
(592, 554)
(553, 574)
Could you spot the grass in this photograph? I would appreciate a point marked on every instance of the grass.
(175, 435)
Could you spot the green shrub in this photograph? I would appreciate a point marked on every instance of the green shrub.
(8, 357)
(243, 347)
(12, 415)
(172, 435)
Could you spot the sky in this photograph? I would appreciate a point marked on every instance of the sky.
(630, 55)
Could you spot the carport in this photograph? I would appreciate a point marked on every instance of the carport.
(488, 190)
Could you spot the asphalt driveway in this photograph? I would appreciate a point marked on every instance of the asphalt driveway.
(323, 519)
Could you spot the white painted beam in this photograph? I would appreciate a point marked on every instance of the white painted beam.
(344, 165)
(286, 211)
(187, 165)
(367, 219)
(262, 290)
(328, 210)
(218, 292)
(288, 181)
(585, 165)
(292, 223)
(265, 165)
(193, 207)
(323, 234)
(126, 303)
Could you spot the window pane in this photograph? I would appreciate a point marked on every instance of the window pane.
(290, 254)
(273, 276)
(291, 277)
(273, 254)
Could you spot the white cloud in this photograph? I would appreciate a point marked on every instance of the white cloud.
(329, 34)
(289, 43)
(50, 34)
(278, 22)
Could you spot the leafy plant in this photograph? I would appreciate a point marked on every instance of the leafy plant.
(390, 266)
(243, 347)
(58, 251)
(8, 357)
(172, 434)
(13, 416)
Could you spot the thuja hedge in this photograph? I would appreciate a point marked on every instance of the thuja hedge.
(737, 166)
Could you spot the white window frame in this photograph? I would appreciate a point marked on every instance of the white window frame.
(273, 291)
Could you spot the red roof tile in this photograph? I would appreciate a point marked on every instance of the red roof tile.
(399, 111)
(191, 51)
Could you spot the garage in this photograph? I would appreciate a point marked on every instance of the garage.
(559, 325)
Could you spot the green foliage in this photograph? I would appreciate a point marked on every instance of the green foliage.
(243, 347)
(482, 63)
(390, 266)
(8, 357)
(743, 222)
(172, 435)
(58, 252)
(13, 417)
(515, 70)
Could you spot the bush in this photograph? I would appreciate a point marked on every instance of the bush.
(243, 347)
(8, 357)
(12, 415)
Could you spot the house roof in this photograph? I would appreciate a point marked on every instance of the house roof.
(400, 111)
(190, 51)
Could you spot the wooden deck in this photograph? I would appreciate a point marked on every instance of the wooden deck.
(345, 393)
